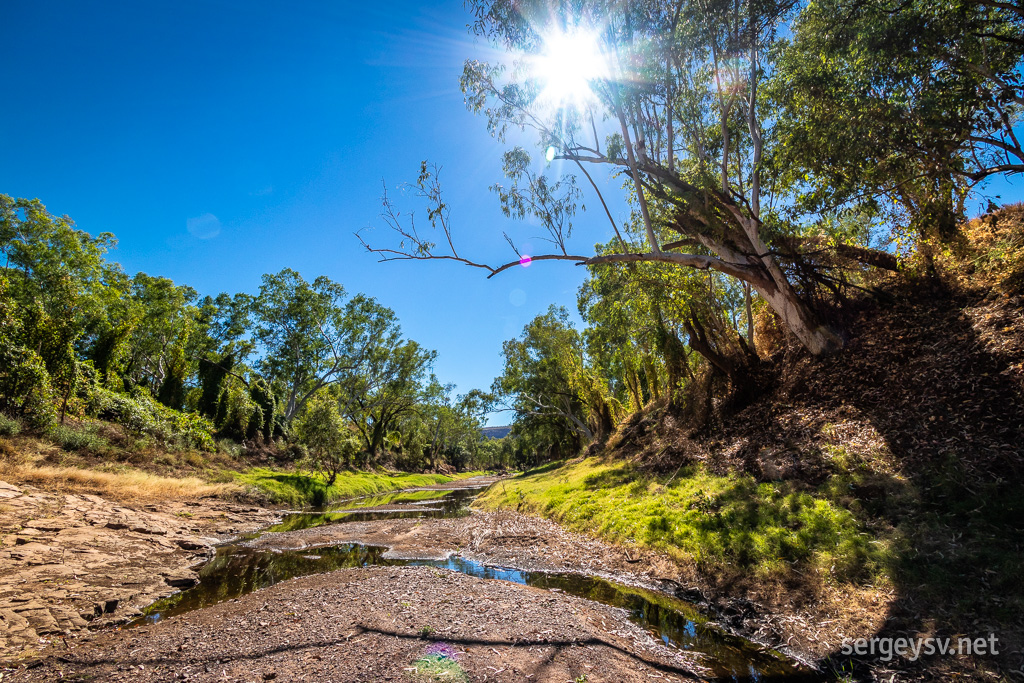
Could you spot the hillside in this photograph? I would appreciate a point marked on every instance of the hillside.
(876, 492)
(496, 432)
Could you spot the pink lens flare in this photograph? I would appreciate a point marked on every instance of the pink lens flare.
(525, 261)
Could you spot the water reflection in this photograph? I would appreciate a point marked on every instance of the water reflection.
(237, 570)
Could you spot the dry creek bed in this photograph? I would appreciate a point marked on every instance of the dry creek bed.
(75, 563)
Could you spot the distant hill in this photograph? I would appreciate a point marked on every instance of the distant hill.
(496, 432)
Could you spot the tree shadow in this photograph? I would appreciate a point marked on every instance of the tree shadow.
(940, 384)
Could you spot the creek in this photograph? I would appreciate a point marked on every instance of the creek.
(238, 569)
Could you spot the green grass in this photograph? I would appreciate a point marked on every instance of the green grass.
(80, 439)
(302, 489)
(697, 517)
(9, 426)
(431, 668)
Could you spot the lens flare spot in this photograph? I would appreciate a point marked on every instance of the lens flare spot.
(525, 261)
(550, 154)
(568, 63)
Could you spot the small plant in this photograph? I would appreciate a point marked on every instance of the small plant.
(426, 632)
(439, 662)
(582, 678)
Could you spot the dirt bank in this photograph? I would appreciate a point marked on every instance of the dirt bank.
(373, 624)
(71, 562)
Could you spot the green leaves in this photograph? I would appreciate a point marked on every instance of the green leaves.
(911, 102)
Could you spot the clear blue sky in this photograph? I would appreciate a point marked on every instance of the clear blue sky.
(224, 139)
(268, 129)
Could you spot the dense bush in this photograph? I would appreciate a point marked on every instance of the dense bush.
(9, 426)
(141, 414)
(85, 440)
(25, 389)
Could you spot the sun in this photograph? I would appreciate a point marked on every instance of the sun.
(568, 65)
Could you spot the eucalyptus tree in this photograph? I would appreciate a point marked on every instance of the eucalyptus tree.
(665, 95)
(386, 385)
(548, 384)
(163, 318)
(49, 261)
(311, 337)
(332, 446)
(54, 273)
(454, 425)
(911, 103)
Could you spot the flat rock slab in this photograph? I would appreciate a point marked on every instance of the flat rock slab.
(81, 561)
(372, 624)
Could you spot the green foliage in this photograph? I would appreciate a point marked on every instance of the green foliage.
(51, 263)
(390, 384)
(172, 389)
(9, 426)
(236, 412)
(82, 337)
(262, 395)
(25, 388)
(143, 415)
(560, 401)
(313, 338)
(211, 378)
(909, 104)
(78, 439)
(332, 447)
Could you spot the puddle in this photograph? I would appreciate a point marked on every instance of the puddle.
(400, 504)
(237, 570)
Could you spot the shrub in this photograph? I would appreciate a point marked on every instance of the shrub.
(25, 389)
(141, 414)
(236, 413)
(9, 426)
(71, 439)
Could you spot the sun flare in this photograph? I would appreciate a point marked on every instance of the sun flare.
(568, 65)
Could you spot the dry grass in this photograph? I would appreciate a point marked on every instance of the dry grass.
(28, 460)
(132, 486)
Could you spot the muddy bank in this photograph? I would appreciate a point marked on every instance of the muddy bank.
(372, 625)
(72, 562)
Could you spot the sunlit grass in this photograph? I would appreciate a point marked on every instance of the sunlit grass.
(697, 517)
(300, 489)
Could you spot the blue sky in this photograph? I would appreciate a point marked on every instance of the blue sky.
(220, 140)
(224, 139)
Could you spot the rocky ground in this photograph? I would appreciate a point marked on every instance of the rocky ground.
(78, 563)
(373, 624)
(72, 562)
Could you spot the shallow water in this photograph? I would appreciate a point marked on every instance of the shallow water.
(237, 570)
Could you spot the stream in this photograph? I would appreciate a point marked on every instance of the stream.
(238, 569)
